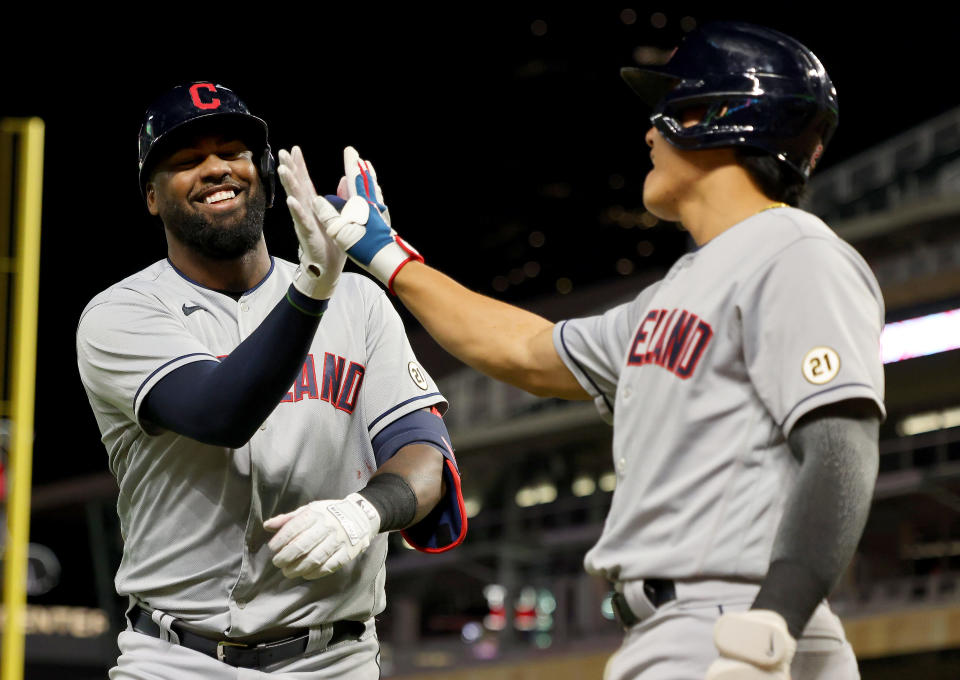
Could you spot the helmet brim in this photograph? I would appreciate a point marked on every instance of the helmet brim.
(650, 84)
(251, 128)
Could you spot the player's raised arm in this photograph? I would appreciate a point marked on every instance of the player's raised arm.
(224, 402)
(505, 342)
(500, 340)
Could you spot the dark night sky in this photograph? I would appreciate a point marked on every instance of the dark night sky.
(481, 131)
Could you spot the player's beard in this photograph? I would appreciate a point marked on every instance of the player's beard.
(228, 239)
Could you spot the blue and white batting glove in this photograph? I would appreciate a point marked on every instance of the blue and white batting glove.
(321, 261)
(319, 538)
(753, 645)
(366, 235)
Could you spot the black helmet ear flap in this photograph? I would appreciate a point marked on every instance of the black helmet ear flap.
(268, 174)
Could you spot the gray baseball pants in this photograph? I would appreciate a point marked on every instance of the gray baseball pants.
(676, 642)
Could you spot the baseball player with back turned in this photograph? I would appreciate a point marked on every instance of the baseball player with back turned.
(267, 423)
(745, 388)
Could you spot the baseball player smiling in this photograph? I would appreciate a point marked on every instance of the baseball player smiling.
(267, 422)
(744, 388)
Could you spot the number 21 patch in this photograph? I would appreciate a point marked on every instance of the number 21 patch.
(416, 374)
(821, 365)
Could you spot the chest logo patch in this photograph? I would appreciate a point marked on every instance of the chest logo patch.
(339, 383)
(673, 339)
(188, 310)
(821, 365)
(417, 375)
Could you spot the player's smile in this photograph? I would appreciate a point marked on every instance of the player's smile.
(222, 198)
(209, 173)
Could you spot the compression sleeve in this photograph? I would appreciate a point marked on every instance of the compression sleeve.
(826, 513)
(224, 402)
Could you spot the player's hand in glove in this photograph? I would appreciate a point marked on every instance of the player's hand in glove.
(321, 261)
(319, 538)
(754, 645)
(366, 235)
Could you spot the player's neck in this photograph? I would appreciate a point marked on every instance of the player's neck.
(238, 275)
(718, 201)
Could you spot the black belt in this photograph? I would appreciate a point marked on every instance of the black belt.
(658, 591)
(241, 654)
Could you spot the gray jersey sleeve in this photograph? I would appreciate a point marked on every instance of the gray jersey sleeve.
(127, 342)
(593, 348)
(396, 383)
(811, 330)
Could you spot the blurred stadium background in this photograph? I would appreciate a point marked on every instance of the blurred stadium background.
(513, 157)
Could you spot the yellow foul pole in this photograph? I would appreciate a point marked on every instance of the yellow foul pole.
(23, 374)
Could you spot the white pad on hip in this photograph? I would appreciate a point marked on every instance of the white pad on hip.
(758, 636)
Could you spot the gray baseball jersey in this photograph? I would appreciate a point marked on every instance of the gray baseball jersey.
(705, 373)
(191, 513)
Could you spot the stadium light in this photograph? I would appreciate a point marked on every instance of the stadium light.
(921, 336)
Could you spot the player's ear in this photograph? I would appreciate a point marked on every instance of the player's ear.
(151, 193)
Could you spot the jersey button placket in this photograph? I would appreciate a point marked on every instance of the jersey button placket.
(621, 463)
(243, 318)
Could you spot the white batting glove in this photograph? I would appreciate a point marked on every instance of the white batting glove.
(321, 261)
(319, 538)
(753, 645)
(367, 236)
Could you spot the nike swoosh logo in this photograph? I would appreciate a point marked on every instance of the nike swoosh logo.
(187, 311)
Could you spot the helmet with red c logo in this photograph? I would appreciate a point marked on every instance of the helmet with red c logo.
(186, 106)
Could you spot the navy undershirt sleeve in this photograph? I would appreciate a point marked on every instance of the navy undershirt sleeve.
(224, 402)
(445, 526)
(419, 427)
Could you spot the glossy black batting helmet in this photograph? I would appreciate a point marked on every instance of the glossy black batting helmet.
(758, 87)
(186, 106)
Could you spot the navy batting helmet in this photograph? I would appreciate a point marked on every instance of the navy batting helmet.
(758, 87)
(184, 107)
